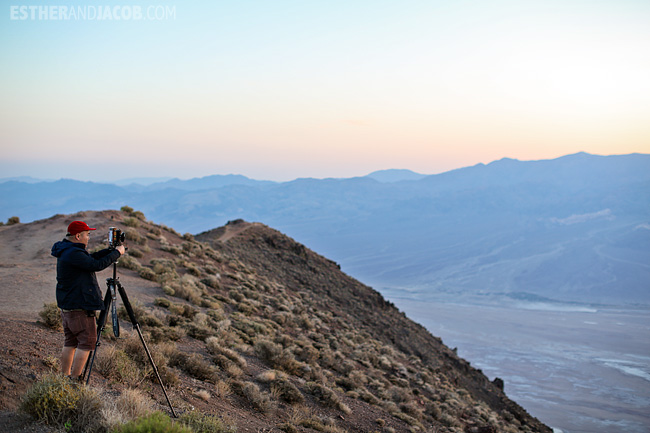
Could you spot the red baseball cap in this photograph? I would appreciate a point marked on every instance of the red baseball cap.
(78, 227)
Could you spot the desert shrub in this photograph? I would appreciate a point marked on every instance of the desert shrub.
(346, 383)
(216, 313)
(258, 398)
(432, 410)
(188, 311)
(201, 319)
(192, 248)
(134, 252)
(172, 249)
(192, 269)
(189, 289)
(133, 404)
(323, 424)
(308, 354)
(132, 234)
(202, 394)
(222, 389)
(281, 318)
(131, 222)
(195, 365)
(286, 391)
(287, 427)
(129, 262)
(166, 333)
(114, 364)
(236, 295)
(51, 316)
(157, 422)
(164, 266)
(399, 395)
(199, 332)
(246, 308)
(205, 423)
(147, 274)
(160, 355)
(248, 327)
(88, 414)
(368, 397)
(276, 356)
(411, 409)
(127, 209)
(449, 420)
(210, 304)
(162, 302)
(304, 322)
(139, 215)
(326, 396)
(56, 401)
(51, 400)
(144, 317)
(211, 281)
(406, 418)
(52, 362)
(216, 348)
(281, 387)
(13, 220)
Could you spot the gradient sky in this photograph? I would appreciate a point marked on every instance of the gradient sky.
(277, 89)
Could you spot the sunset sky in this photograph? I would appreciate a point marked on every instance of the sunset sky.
(276, 89)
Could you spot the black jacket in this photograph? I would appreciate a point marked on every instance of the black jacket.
(76, 283)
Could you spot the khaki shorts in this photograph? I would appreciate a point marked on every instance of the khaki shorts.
(80, 330)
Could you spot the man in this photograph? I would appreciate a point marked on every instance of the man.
(78, 294)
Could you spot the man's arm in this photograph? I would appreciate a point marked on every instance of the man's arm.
(101, 253)
(87, 262)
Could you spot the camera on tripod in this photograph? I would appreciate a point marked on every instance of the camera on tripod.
(115, 237)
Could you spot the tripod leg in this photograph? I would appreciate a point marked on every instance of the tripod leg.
(136, 326)
(101, 324)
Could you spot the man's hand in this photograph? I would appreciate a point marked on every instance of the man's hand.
(121, 249)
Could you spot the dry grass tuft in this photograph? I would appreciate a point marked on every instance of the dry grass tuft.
(276, 356)
(259, 399)
(327, 396)
(51, 316)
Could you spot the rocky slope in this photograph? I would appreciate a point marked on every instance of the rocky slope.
(246, 323)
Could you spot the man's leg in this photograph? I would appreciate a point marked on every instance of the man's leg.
(80, 358)
(67, 356)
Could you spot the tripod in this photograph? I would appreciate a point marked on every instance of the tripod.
(115, 287)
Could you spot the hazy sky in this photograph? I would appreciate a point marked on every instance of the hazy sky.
(277, 89)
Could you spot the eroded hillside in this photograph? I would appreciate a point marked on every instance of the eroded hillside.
(246, 323)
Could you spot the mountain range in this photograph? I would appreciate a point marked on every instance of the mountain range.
(571, 229)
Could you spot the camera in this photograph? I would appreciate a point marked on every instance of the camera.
(115, 237)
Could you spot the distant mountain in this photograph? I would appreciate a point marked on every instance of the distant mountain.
(395, 175)
(574, 228)
(207, 182)
(145, 181)
(25, 179)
